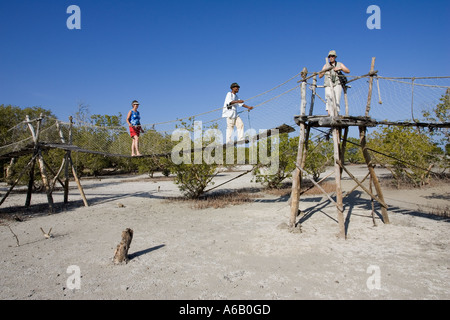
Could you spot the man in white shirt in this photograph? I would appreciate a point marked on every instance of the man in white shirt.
(229, 111)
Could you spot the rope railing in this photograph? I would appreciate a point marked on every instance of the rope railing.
(278, 105)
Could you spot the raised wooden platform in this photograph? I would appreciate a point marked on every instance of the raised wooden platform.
(340, 121)
(346, 121)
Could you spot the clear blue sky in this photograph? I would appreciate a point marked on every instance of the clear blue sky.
(179, 57)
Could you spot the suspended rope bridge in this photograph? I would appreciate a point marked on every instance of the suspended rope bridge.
(403, 101)
(397, 101)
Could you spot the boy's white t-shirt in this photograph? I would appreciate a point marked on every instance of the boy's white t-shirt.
(232, 112)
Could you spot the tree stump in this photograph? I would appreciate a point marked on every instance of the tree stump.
(121, 252)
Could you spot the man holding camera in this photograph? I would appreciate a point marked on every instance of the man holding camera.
(229, 111)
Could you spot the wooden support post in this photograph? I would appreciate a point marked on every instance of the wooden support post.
(66, 177)
(80, 188)
(121, 252)
(311, 109)
(296, 178)
(344, 88)
(372, 203)
(9, 169)
(379, 92)
(33, 159)
(68, 162)
(346, 101)
(344, 145)
(55, 175)
(337, 168)
(313, 95)
(66, 169)
(296, 175)
(337, 174)
(40, 159)
(42, 168)
(66, 159)
(45, 180)
(32, 165)
(369, 98)
(376, 183)
(30, 181)
(306, 129)
(367, 157)
(303, 93)
(305, 153)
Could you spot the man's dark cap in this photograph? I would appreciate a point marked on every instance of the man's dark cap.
(234, 84)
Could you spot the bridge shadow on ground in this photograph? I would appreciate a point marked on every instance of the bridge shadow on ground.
(43, 209)
(355, 203)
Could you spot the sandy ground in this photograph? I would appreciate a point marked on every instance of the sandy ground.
(237, 252)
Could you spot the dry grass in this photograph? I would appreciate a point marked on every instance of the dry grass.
(224, 198)
(308, 188)
(151, 179)
(435, 181)
(221, 199)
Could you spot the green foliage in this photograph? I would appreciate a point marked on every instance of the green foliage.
(191, 178)
(412, 153)
(105, 133)
(14, 167)
(12, 115)
(147, 165)
(52, 157)
(409, 154)
(441, 114)
(319, 156)
(91, 139)
(287, 153)
(14, 129)
(107, 120)
(353, 152)
(156, 143)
